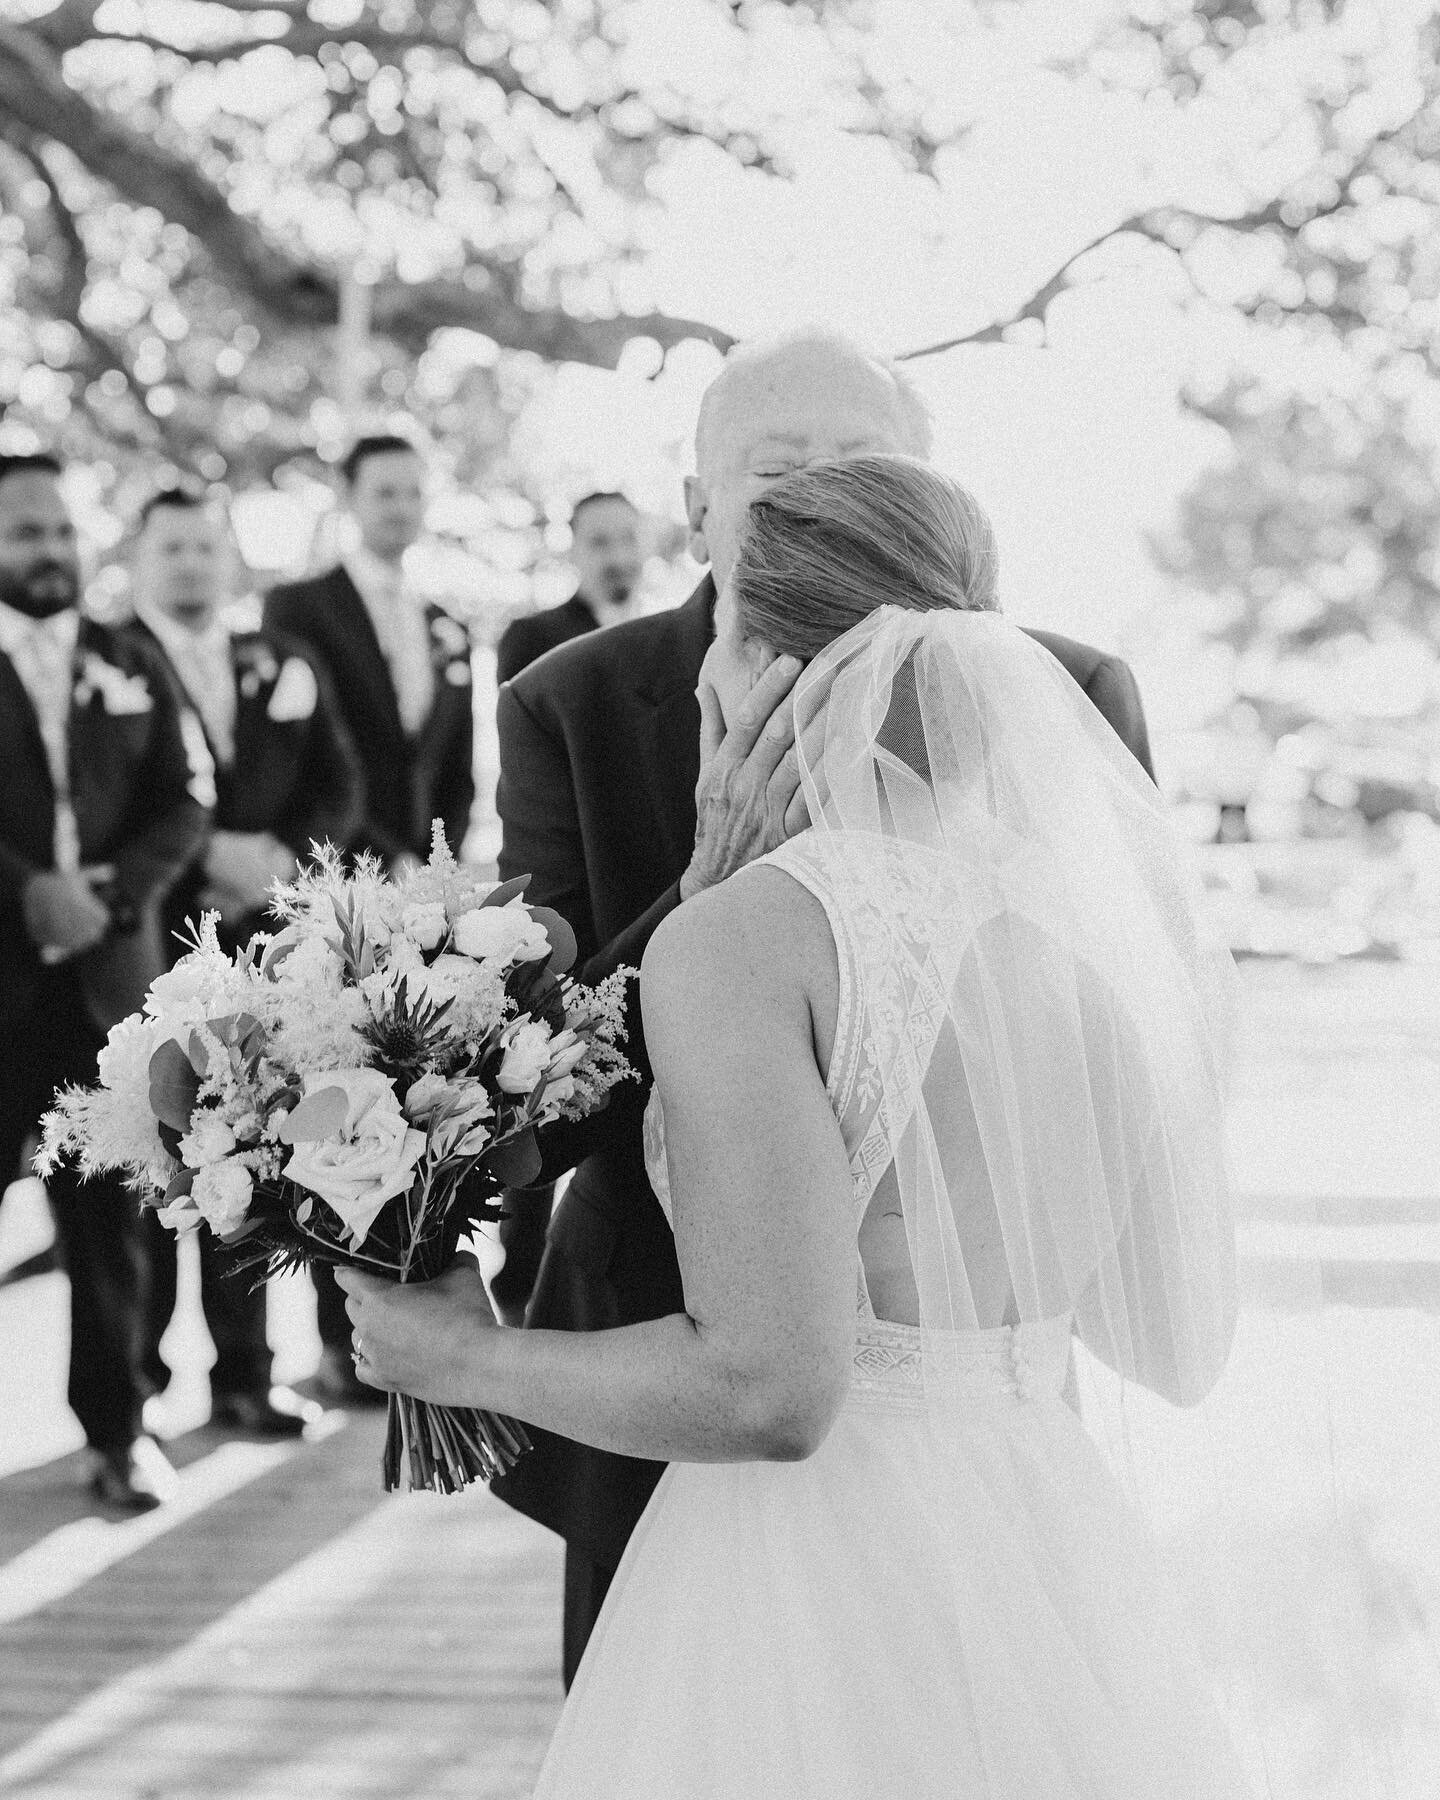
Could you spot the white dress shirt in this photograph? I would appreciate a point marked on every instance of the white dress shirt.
(43, 652)
(202, 661)
(403, 633)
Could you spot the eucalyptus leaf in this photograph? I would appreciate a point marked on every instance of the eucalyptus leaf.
(174, 1084)
(507, 891)
(562, 938)
(516, 1162)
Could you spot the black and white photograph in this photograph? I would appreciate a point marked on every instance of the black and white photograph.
(720, 899)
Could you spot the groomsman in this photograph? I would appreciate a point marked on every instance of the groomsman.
(598, 800)
(401, 672)
(101, 808)
(287, 776)
(605, 549)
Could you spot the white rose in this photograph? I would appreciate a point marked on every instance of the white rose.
(192, 978)
(124, 1063)
(372, 1158)
(506, 933)
(221, 1194)
(425, 923)
(209, 1140)
(527, 1056)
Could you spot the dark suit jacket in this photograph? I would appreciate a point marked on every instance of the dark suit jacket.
(140, 803)
(599, 757)
(295, 772)
(407, 781)
(525, 640)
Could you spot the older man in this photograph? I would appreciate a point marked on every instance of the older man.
(598, 798)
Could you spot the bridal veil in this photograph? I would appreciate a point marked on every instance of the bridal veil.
(1076, 1004)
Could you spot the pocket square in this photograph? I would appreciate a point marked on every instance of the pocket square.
(296, 693)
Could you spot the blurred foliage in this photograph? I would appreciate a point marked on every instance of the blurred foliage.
(229, 230)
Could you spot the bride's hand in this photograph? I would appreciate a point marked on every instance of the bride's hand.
(420, 1337)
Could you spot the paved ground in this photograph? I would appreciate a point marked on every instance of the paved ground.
(284, 1630)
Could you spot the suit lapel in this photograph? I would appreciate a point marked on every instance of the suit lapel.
(669, 723)
(16, 705)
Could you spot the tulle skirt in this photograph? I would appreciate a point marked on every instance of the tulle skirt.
(944, 1600)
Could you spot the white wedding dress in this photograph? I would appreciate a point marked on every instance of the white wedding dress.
(951, 1597)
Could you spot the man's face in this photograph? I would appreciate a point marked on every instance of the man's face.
(606, 551)
(39, 558)
(804, 405)
(183, 564)
(387, 499)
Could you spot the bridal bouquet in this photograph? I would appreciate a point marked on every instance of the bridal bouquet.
(357, 1088)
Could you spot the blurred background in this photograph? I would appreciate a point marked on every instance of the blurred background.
(1167, 274)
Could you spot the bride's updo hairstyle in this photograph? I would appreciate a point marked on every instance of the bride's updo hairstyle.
(826, 546)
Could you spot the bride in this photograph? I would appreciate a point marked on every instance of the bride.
(937, 1088)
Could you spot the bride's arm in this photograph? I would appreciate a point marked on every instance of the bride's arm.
(759, 1362)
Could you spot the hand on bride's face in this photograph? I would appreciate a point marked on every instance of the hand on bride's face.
(748, 799)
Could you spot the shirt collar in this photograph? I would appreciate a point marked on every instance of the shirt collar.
(179, 641)
(18, 628)
(375, 579)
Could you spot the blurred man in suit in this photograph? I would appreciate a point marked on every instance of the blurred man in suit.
(287, 776)
(601, 800)
(101, 809)
(605, 549)
(401, 669)
(402, 679)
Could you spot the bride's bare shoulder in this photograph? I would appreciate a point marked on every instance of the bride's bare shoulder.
(761, 929)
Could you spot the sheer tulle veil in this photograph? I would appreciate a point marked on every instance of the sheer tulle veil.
(1058, 1101)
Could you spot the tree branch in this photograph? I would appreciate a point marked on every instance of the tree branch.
(295, 292)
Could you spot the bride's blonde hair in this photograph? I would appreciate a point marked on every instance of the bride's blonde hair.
(827, 545)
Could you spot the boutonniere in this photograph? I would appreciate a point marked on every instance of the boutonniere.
(257, 667)
(297, 693)
(448, 637)
(450, 647)
(121, 695)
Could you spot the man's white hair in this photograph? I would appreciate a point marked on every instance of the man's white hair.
(910, 407)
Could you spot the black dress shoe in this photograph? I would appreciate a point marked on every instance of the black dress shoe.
(255, 1415)
(130, 1481)
(336, 1382)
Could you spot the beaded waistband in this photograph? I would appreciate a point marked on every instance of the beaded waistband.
(1026, 1362)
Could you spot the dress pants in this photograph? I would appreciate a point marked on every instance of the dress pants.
(234, 1314)
(586, 1585)
(97, 1222)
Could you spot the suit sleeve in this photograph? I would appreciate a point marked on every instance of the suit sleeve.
(454, 798)
(513, 651)
(1115, 691)
(541, 837)
(327, 808)
(175, 813)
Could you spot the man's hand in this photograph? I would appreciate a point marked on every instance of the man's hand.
(748, 799)
(241, 866)
(63, 913)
